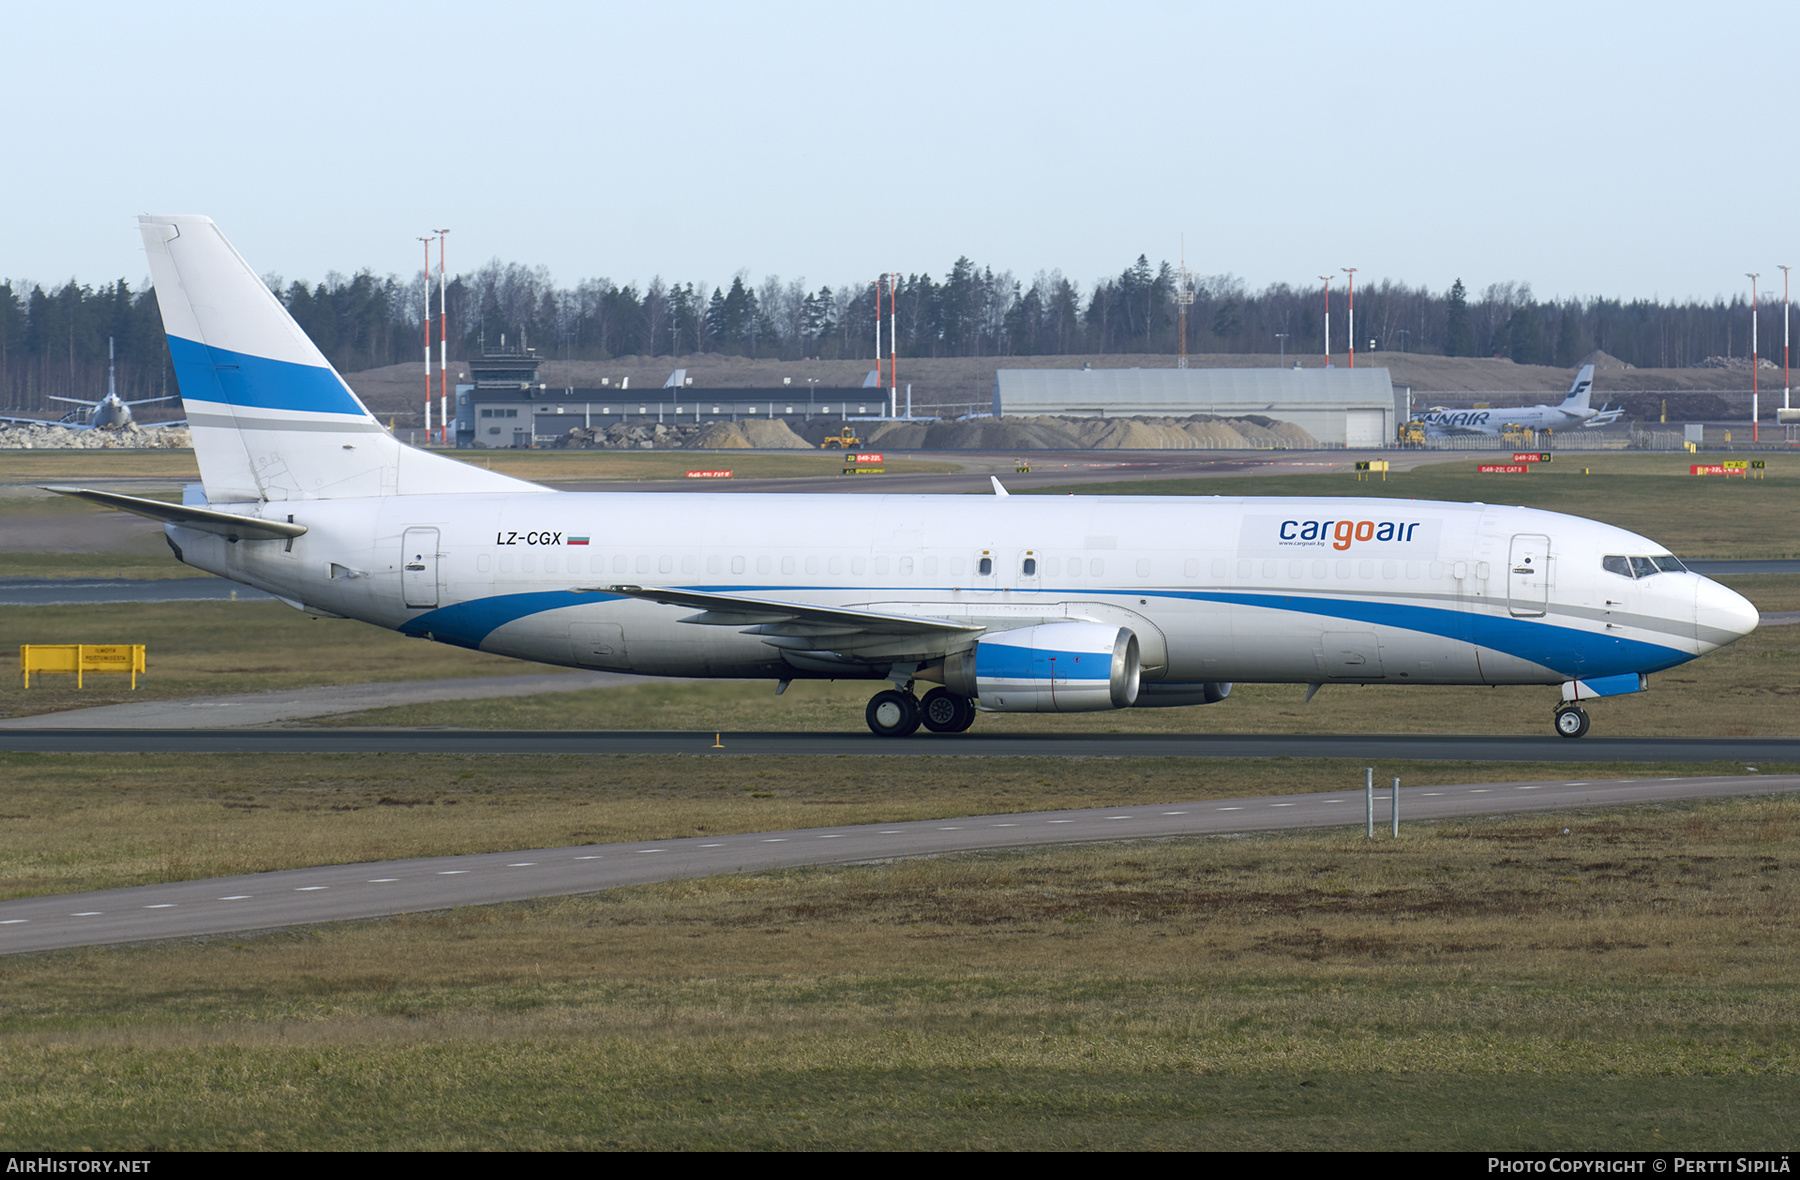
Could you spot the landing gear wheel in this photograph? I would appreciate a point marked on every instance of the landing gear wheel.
(1571, 721)
(947, 712)
(893, 713)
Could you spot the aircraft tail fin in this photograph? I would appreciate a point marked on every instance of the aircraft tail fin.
(270, 418)
(1578, 392)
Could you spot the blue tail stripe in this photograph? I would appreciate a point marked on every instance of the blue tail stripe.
(254, 382)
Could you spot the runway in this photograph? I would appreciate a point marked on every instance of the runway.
(220, 905)
(41, 738)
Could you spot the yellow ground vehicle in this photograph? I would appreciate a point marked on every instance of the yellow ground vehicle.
(845, 441)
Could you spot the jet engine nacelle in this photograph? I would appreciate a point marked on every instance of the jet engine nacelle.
(1167, 696)
(1049, 668)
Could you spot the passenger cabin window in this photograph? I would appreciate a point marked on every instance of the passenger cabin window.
(987, 566)
(1030, 567)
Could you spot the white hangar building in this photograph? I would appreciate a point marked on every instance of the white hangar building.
(1339, 407)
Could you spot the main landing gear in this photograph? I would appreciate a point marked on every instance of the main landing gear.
(897, 713)
(1571, 721)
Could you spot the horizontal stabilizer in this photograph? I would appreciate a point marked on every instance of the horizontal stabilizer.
(226, 524)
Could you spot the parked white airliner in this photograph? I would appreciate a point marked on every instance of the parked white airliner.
(998, 603)
(1574, 410)
(109, 413)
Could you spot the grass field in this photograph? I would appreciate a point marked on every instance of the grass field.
(566, 466)
(77, 822)
(1496, 984)
(198, 649)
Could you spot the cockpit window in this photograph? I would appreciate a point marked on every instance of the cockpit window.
(1642, 567)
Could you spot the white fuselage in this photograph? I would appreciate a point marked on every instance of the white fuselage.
(1217, 589)
(1439, 423)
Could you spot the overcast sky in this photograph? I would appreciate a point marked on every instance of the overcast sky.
(1637, 149)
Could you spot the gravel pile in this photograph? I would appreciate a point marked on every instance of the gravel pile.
(49, 437)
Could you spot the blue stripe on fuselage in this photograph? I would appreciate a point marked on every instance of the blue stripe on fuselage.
(1570, 651)
(254, 382)
(468, 623)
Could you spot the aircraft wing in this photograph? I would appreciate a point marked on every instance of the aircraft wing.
(805, 627)
(207, 520)
(33, 421)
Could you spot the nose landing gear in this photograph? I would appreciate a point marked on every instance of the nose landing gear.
(1571, 721)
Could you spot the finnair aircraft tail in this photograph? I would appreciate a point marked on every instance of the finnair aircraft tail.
(1577, 400)
(981, 603)
(271, 419)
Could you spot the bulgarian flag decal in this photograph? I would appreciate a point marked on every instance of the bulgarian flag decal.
(578, 540)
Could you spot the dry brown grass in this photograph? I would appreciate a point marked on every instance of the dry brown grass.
(1491, 984)
(77, 821)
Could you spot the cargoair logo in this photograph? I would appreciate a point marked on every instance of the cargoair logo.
(1342, 534)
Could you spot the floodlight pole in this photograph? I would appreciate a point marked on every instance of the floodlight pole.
(1784, 338)
(877, 331)
(1326, 279)
(443, 340)
(426, 317)
(893, 348)
(1754, 424)
(1351, 271)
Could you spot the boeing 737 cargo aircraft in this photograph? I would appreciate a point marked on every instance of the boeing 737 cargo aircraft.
(996, 603)
(1573, 410)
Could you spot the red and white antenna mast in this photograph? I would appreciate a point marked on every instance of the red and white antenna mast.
(426, 317)
(1326, 279)
(443, 339)
(893, 282)
(1755, 407)
(1184, 298)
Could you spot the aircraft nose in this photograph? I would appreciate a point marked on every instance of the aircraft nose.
(1721, 615)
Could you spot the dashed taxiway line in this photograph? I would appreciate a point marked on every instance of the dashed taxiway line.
(221, 905)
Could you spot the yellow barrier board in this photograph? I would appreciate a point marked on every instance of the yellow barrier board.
(81, 658)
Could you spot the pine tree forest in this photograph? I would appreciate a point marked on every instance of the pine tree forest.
(53, 340)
